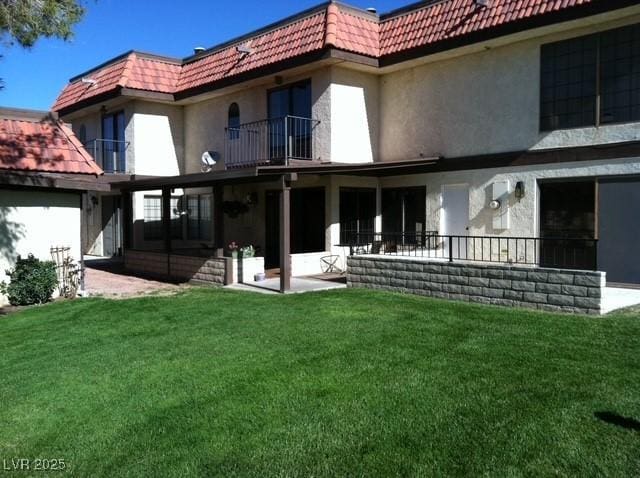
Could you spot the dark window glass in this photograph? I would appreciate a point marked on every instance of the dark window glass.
(152, 218)
(289, 121)
(357, 213)
(82, 134)
(575, 72)
(199, 214)
(233, 121)
(620, 75)
(404, 210)
(307, 220)
(112, 145)
(568, 83)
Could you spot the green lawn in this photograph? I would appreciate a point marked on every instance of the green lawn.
(344, 383)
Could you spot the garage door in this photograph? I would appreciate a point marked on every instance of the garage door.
(619, 230)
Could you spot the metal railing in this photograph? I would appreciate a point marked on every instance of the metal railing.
(110, 154)
(271, 141)
(556, 253)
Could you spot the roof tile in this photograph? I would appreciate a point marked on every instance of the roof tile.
(335, 25)
(43, 146)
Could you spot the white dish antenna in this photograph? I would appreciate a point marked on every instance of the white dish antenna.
(208, 160)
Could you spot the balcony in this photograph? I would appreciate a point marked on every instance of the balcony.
(276, 141)
(111, 155)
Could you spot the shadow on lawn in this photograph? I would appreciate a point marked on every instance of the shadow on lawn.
(618, 420)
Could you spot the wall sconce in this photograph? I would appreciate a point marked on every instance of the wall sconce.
(94, 200)
(519, 191)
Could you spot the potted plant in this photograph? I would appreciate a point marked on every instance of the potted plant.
(248, 251)
(233, 249)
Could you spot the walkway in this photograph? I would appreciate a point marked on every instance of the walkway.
(107, 277)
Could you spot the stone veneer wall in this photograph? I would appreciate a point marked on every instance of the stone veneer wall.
(555, 290)
(210, 270)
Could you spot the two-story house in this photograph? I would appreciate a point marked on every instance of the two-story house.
(432, 129)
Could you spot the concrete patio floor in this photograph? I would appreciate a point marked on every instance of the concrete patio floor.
(615, 298)
(299, 285)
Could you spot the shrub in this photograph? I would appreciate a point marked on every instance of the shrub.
(32, 281)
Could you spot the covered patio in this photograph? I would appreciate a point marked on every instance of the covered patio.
(211, 262)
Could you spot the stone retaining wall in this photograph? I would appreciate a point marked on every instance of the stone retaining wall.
(555, 290)
(210, 270)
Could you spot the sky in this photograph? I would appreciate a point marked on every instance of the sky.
(34, 77)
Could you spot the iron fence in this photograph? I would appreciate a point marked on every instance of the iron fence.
(560, 253)
(271, 141)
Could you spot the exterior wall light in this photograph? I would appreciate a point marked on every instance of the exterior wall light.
(519, 191)
(495, 204)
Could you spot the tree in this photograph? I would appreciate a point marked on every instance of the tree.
(24, 21)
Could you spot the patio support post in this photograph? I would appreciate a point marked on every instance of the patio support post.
(285, 236)
(166, 219)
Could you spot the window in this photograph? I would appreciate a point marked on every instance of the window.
(199, 222)
(620, 75)
(233, 121)
(307, 220)
(569, 77)
(357, 213)
(112, 147)
(152, 218)
(290, 125)
(82, 134)
(403, 210)
(591, 80)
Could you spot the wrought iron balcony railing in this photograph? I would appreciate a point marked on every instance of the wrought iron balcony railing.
(111, 155)
(271, 141)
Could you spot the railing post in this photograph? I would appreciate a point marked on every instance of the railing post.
(450, 248)
(286, 141)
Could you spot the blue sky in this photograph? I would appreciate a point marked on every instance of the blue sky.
(33, 78)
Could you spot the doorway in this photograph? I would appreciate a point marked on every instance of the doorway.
(272, 230)
(455, 217)
(619, 229)
(111, 226)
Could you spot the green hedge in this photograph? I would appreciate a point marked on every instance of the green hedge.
(32, 281)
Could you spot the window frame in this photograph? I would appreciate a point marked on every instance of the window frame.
(598, 109)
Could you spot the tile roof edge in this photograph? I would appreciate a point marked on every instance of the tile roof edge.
(260, 31)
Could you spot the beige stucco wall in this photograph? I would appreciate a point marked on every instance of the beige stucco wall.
(158, 144)
(481, 103)
(524, 213)
(31, 222)
(354, 116)
(205, 121)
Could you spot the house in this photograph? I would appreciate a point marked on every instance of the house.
(500, 131)
(44, 173)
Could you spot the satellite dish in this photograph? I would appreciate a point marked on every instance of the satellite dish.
(208, 160)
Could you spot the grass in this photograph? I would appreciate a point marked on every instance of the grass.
(344, 383)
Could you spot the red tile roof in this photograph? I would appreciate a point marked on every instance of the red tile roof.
(302, 36)
(46, 145)
(330, 25)
(442, 20)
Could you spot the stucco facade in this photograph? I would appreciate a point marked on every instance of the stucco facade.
(33, 221)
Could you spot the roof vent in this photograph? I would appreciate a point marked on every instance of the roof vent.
(197, 50)
(372, 10)
(482, 3)
(89, 81)
(244, 49)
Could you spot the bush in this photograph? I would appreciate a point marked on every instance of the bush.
(32, 281)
